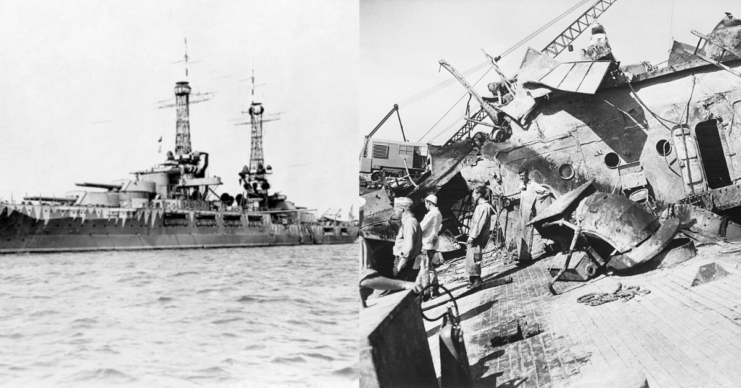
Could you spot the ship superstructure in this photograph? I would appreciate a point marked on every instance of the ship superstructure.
(171, 205)
(659, 135)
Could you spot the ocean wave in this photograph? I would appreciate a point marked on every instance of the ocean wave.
(318, 356)
(197, 303)
(44, 313)
(107, 349)
(260, 299)
(83, 321)
(289, 360)
(304, 301)
(349, 372)
(107, 375)
(185, 273)
(213, 373)
(228, 320)
(323, 322)
(127, 279)
(214, 370)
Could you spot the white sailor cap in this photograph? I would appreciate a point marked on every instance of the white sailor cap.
(403, 202)
(432, 198)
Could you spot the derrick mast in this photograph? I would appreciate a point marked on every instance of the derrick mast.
(182, 131)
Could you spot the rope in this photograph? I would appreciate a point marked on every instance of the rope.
(626, 294)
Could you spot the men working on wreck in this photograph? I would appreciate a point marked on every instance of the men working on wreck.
(478, 235)
(430, 225)
(408, 244)
(534, 199)
(370, 278)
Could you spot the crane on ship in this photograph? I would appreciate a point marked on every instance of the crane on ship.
(560, 43)
(555, 47)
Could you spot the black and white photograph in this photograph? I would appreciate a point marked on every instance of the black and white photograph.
(551, 193)
(177, 202)
(548, 193)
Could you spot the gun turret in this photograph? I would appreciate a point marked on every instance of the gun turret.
(107, 186)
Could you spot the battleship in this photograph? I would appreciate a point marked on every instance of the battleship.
(642, 163)
(170, 206)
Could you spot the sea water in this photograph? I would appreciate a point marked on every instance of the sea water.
(278, 316)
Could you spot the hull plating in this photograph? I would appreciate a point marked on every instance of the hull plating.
(35, 228)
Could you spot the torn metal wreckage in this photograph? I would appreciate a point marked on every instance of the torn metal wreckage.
(666, 139)
(642, 161)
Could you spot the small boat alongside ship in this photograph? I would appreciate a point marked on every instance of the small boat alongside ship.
(170, 206)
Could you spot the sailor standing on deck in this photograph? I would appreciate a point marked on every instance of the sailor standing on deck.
(370, 279)
(478, 235)
(408, 244)
(535, 198)
(430, 225)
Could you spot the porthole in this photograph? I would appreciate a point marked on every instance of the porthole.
(612, 160)
(566, 171)
(663, 147)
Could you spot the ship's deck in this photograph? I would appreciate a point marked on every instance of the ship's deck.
(677, 335)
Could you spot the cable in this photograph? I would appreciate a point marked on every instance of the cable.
(443, 314)
(657, 117)
(454, 123)
(442, 85)
(451, 108)
(441, 118)
(671, 23)
(427, 92)
(538, 31)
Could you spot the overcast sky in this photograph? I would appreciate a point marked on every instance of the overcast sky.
(80, 82)
(401, 43)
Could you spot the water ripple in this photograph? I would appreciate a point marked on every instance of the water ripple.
(180, 318)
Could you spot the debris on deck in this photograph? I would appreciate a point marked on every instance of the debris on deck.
(596, 171)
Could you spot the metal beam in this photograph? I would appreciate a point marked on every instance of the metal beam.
(467, 127)
(716, 63)
(565, 38)
(490, 110)
(718, 43)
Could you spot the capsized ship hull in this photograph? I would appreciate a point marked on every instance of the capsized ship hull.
(26, 228)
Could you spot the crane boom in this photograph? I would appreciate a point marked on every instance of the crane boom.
(564, 39)
(490, 110)
(364, 152)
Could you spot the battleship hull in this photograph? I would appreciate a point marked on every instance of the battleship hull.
(44, 228)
